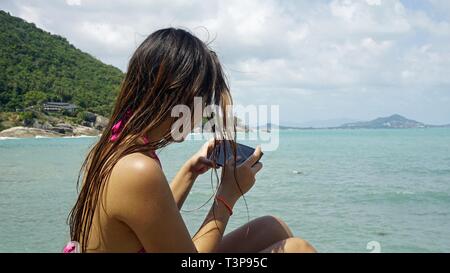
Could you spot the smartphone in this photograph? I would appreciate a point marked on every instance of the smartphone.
(243, 152)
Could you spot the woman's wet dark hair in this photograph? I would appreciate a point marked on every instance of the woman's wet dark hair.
(169, 68)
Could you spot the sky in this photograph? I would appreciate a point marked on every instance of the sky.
(322, 60)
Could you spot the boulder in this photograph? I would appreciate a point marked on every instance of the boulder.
(26, 132)
(85, 131)
(101, 122)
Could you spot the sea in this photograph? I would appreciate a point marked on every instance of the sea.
(342, 190)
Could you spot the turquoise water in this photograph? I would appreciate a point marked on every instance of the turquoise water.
(339, 189)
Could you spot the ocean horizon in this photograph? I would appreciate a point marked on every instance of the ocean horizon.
(357, 190)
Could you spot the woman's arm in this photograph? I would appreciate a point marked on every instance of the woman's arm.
(235, 183)
(211, 232)
(198, 164)
(182, 184)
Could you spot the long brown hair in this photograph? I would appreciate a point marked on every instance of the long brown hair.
(169, 68)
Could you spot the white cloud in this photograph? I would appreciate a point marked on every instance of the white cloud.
(374, 2)
(30, 14)
(374, 46)
(73, 2)
(344, 9)
(107, 35)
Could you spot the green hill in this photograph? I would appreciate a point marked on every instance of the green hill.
(36, 66)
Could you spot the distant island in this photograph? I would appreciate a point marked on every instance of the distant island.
(395, 121)
(392, 122)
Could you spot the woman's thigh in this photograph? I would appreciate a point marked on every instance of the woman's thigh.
(255, 236)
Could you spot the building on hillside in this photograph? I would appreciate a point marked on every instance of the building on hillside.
(59, 107)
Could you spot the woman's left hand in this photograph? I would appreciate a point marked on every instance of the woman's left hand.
(199, 163)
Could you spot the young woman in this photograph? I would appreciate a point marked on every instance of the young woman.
(125, 203)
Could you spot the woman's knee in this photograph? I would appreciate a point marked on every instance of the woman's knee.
(276, 224)
(290, 245)
(298, 245)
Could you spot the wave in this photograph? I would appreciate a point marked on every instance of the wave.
(405, 196)
(6, 138)
(81, 136)
(424, 171)
(405, 192)
(38, 136)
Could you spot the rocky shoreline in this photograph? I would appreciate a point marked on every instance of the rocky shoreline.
(50, 126)
(46, 126)
(30, 132)
(58, 131)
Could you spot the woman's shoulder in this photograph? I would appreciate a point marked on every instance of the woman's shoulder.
(136, 171)
(137, 162)
(135, 179)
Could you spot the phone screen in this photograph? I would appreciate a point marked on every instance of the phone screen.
(243, 152)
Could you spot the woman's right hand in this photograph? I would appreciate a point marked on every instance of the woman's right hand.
(244, 176)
